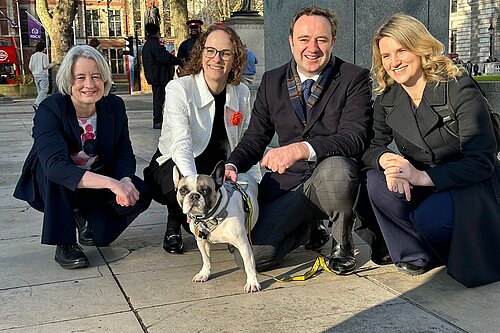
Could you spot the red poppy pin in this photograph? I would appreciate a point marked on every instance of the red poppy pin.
(236, 118)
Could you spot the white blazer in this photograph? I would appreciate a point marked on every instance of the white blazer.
(188, 116)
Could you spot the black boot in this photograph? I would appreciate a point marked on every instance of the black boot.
(342, 260)
(85, 234)
(172, 242)
(71, 256)
(320, 235)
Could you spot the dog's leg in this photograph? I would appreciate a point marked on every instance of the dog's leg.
(248, 260)
(204, 273)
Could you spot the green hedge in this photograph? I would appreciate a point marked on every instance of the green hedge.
(487, 78)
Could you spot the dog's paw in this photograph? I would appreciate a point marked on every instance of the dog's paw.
(251, 287)
(201, 277)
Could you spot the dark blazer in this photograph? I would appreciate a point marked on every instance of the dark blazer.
(57, 135)
(158, 62)
(339, 124)
(467, 167)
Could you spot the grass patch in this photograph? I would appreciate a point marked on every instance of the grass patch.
(487, 78)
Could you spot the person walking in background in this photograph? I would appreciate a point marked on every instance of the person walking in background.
(437, 201)
(187, 45)
(249, 70)
(80, 171)
(39, 66)
(157, 62)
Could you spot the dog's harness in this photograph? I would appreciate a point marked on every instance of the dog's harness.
(204, 225)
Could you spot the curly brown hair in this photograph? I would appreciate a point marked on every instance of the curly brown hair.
(195, 66)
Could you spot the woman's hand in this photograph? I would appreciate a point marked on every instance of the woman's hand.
(401, 175)
(126, 193)
(399, 185)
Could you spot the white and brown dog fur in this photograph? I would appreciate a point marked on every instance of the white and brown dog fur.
(198, 195)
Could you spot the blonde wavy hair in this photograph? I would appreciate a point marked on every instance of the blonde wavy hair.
(415, 38)
(195, 65)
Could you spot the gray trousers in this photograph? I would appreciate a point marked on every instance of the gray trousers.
(285, 223)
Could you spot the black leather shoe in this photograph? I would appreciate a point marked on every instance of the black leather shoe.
(157, 126)
(319, 236)
(341, 260)
(71, 256)
(382, 260)
(85, 234)
(414, 270)
(172, 242)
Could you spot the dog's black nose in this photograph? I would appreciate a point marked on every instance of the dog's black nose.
(195, 196)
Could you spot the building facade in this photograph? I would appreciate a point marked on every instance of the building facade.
(109, 22)
(475, 30)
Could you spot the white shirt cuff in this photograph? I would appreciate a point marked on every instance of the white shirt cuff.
(312, 153)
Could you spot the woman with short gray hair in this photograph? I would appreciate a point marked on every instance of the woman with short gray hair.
(80, 171)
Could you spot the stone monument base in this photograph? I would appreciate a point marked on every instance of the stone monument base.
(249, 25)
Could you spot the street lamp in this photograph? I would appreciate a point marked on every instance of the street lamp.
(491, 31)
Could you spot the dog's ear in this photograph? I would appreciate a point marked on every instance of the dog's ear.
(218, 173)
(176, 176)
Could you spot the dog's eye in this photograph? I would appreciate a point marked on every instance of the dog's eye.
(206, 191)
(183, 191)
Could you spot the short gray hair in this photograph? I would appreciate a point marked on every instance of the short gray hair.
(65, 79)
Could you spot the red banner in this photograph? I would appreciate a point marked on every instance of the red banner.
(7, 51)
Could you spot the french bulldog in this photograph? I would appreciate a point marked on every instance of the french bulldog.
(217, 214)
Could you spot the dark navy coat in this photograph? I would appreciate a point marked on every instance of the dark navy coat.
(466, 166)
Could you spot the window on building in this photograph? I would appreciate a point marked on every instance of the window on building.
(4, 27)
(115, 23)
(454, 6)
(115, 60)
(453, 41)
(92, 22)
(137, 18)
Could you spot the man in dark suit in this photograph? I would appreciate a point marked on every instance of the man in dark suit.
(320, 108)
(158, 68)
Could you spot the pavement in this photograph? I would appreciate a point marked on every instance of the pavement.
(135, 286)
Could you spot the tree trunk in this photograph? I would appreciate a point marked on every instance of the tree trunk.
(58, 23)
(178, 18)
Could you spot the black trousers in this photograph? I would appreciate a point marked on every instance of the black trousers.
(158, 101)
(160, 180)
(107, 219)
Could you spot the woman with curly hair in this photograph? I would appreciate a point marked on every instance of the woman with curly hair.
(204, 117)
(437, 201)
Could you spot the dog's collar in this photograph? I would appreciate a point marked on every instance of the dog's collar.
(204, 225)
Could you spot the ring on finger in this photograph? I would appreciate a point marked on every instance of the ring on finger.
(401, 170)
(394, 188)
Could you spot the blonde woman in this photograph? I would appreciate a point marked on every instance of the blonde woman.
(435, 200)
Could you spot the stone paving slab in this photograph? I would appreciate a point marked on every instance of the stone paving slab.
(125, 322)
(330, 305)
(76, 298)
(25, 262)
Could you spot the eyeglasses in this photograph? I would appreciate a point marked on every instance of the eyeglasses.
(211, 52)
